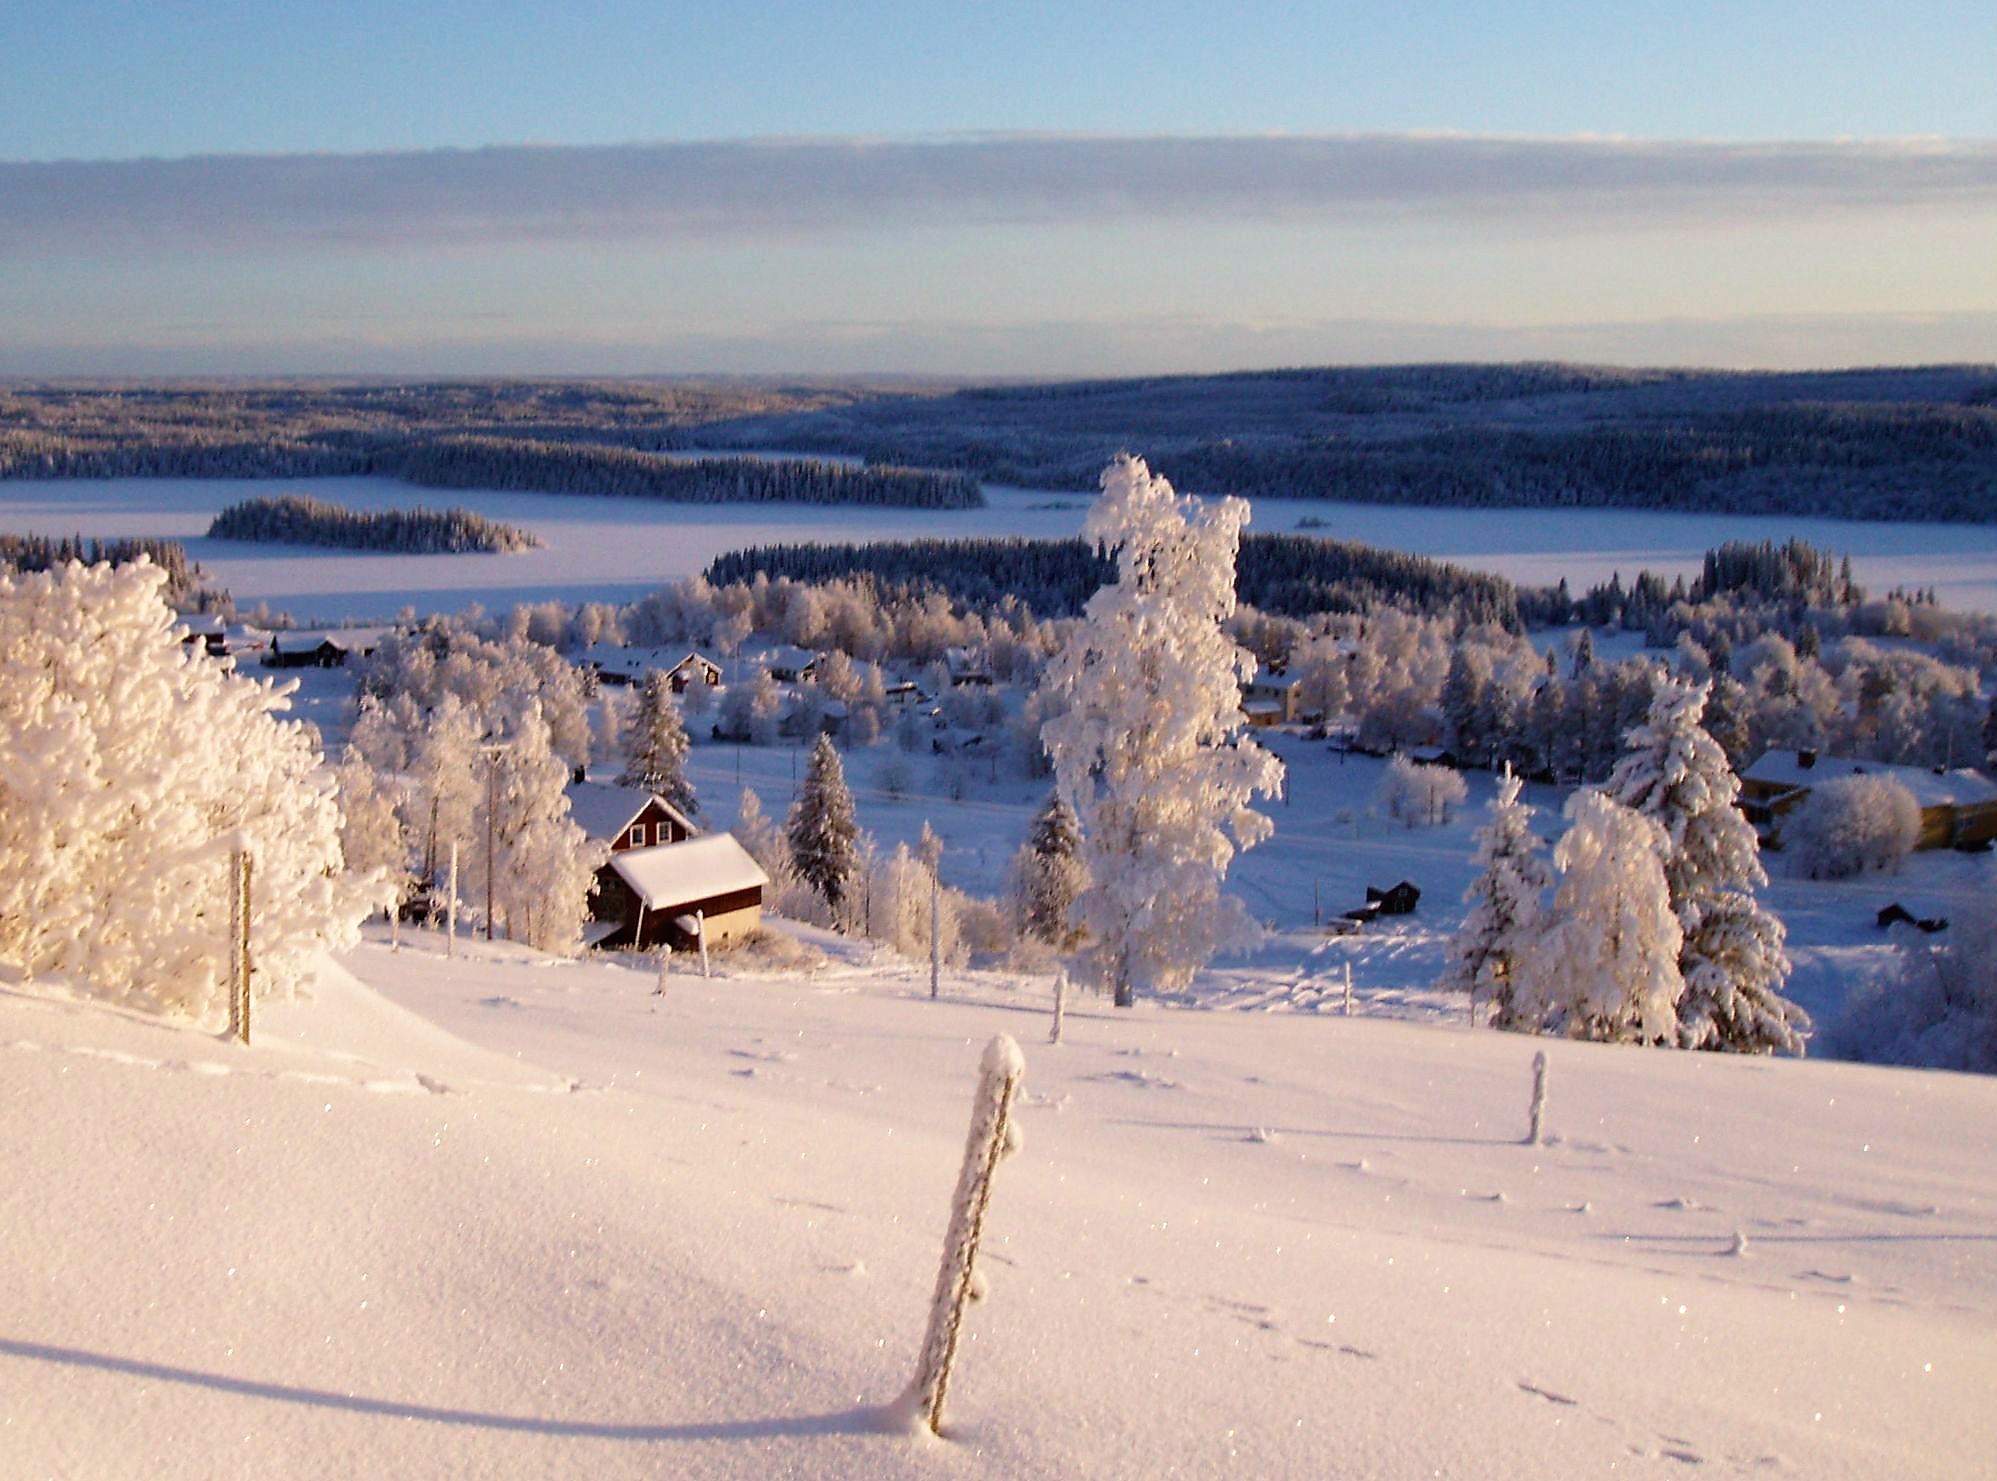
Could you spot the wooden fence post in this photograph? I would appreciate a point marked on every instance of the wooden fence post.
(239, 944)
(992, 1137)
(1534, 1137)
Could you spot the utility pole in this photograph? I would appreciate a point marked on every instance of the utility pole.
(491, 829)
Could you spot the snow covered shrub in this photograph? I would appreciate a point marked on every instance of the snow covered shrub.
(130, 766)
(1935, 1006)
(983, 928)
(1852, 825)
(1419, 795)
(1150, 750)
(898, 907)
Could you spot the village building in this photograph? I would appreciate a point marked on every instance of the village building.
(967, 666)
(1272, 699)
(615, 664)
(1958, 808)
(679, 894)
(623, 818)
(326, 649)
(695, 668)
(785, 664)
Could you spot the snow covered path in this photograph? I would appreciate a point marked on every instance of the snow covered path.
(538, 1221)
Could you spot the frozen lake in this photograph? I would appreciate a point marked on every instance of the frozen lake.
(618, 549)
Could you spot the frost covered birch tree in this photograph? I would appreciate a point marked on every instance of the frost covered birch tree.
(1731, 958)
(131, 766)
(1606, 965)
(543, 865)
(1150, 749)
(1506, 904)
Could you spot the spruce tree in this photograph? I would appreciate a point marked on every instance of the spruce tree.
(824, 837)
(1048, 876)
(1731, 956)
(1506, 905)
(657, 758)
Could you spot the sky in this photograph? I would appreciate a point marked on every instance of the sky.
(1012, 189)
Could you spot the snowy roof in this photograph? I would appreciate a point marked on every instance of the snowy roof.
(789, 659)
(669, 875)
(617, 659)
(604, 811)
(346, 639)
(1931, 788)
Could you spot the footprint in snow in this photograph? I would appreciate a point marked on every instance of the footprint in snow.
(1141, 1078)
(1547, 1394)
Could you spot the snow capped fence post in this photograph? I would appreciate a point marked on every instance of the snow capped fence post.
(935, 933)
(1060, 1003)
(700, 930)
(1534, 1137)
(665, 956)
(993, 1136)
(1348, 991)
(239, 944)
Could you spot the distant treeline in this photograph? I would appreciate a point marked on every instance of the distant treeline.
(186, 587)
(583, 438)
(1898, 444)
(1288, 575)
(294, 519)
(583, 468)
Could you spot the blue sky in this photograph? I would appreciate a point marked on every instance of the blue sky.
(1227, 185)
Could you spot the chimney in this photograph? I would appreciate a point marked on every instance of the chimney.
(1805, 760)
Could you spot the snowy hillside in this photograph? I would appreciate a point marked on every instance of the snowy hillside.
(502, 1216)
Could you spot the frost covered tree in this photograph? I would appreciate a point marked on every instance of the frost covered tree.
(1047, 874)
(1419, 796)
(1605, 966)
(130, 767)
(373, 840)
(1852, 825)
(435, 755)
(541, 865)
(823, 833)
(1506, 899)
(657, 756)
(1149, 749)
(1731, 957)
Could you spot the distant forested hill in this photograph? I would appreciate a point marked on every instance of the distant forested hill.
(1878, 444)
(553, 437)
(1873, 444)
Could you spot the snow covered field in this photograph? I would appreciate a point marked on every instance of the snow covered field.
(619, 549)
(501, 1216)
